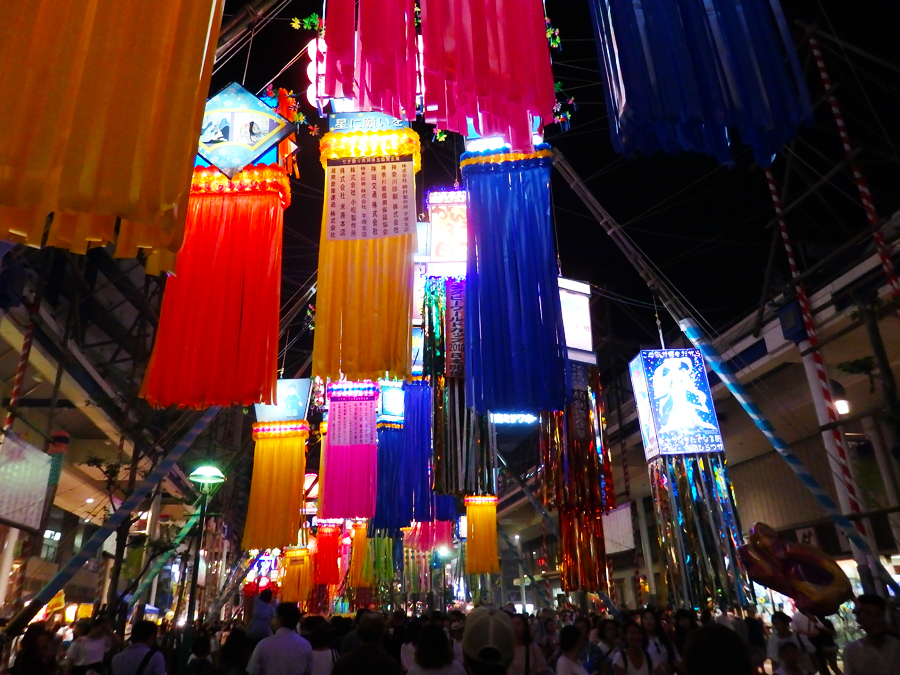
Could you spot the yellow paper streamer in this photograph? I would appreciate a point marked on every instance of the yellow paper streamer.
(298, 575)
(79, 154)
(276, 491)
(481, 535)
(361, 566)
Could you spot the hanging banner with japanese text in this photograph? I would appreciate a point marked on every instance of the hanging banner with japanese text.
(370, 197)
(455, 358)
(24, 473)
(674, 404)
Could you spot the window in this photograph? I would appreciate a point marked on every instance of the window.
(51, 544)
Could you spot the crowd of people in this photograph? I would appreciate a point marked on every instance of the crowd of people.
(483, 642)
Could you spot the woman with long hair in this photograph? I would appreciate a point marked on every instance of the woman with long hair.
(528, 659)
(571, 642)
(235, 652)
(608, 644)
(663, 653)
(433, 653)
(634, 659)
(685, 624)
(36, 654)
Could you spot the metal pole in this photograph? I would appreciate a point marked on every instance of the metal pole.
(711, 355)
(521, 574)
(18, 623)
(888, 477)
(195, 577)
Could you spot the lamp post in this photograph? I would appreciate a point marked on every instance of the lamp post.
(206, 476)
(521, 574)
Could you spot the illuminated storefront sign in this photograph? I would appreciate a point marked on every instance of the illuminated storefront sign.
(674, 403)
(575, 302)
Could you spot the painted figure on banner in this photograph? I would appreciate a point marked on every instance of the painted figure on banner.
(681, 402)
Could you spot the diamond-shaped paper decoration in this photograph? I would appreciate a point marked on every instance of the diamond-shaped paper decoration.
(238, 128)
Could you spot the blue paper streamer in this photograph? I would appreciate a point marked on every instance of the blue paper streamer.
(394, 501)
(417, 452)
(515, 346)
(690, 74)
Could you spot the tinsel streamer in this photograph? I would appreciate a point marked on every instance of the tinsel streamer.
(515, 346)
(435, 313)
(394, 503)
(348, 474)
(276, 490)
(699, 529)
(328, 552)
(417, 446)
(481, 535)
(381, 553)
(598, 416)
(573, 484)
(360, 565)
(692, 74)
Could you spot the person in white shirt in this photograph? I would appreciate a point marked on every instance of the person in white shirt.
(663, 655)
(433, 654)
(877, 653)
(781, 632)
(789, 657)
(456, 634)
(634, 659)
(142, 654)
(571, 641)
(285, 652)
(89, 651)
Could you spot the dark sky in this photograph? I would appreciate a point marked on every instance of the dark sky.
(701, 223)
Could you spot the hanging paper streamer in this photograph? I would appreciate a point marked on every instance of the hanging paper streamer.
(82, 156)
(349, 465)
(360, 564)
(328, 555)
(515, 344)
(217, 342)
(487, 64)
(276, 490)
(689, 75)
(481, 535)
(394, 502)
(299, 576)
(417, 441)
(381, 553)
(429, 536)
(699, 528)
(365, 287)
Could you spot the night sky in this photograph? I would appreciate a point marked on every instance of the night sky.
(702, 224)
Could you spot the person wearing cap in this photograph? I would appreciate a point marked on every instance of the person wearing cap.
(488, 642)
(456, 635)
(368, 658)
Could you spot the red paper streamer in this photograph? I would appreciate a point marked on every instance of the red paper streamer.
(217, 342)
(328, 552)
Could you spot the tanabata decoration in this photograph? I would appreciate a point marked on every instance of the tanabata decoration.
(487, 68)
(481, 535)
(428, 536)
(697, 517)
(515, 345)
(813, 580)
(576, 482)
(690, 75)
(360, 564)
(381, 553)
(366, 268)
(299, 576)
(81, 155)
(217, 342)
(328, 554)
(394, 501)
(349, 471)
(276, 490)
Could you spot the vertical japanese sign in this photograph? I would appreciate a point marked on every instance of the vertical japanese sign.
(447, 212)
(370, 197)
(674, 403)
(455, 357)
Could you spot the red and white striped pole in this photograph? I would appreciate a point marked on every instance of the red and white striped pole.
(827, 412)
(19, 380)
(884, 253)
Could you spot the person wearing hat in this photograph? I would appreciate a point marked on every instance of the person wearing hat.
(488, 642)
(368, 658)
(456, 635)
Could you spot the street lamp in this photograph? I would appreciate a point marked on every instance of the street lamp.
(206, 476)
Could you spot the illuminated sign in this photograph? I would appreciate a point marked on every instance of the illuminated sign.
(391, 403)
(674, 403)
(449, 238)
(575, 301)
(238, 128)
(292, 397)
(363, 121)
(513, 418)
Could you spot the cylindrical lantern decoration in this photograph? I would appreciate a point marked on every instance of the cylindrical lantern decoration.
(276, 491)
(217, 342)
(697, 517)
(481, 535)
(328, 555)
(573, 484)
(515, 346)
(349, 465)
(360, 564)
(365, 286)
